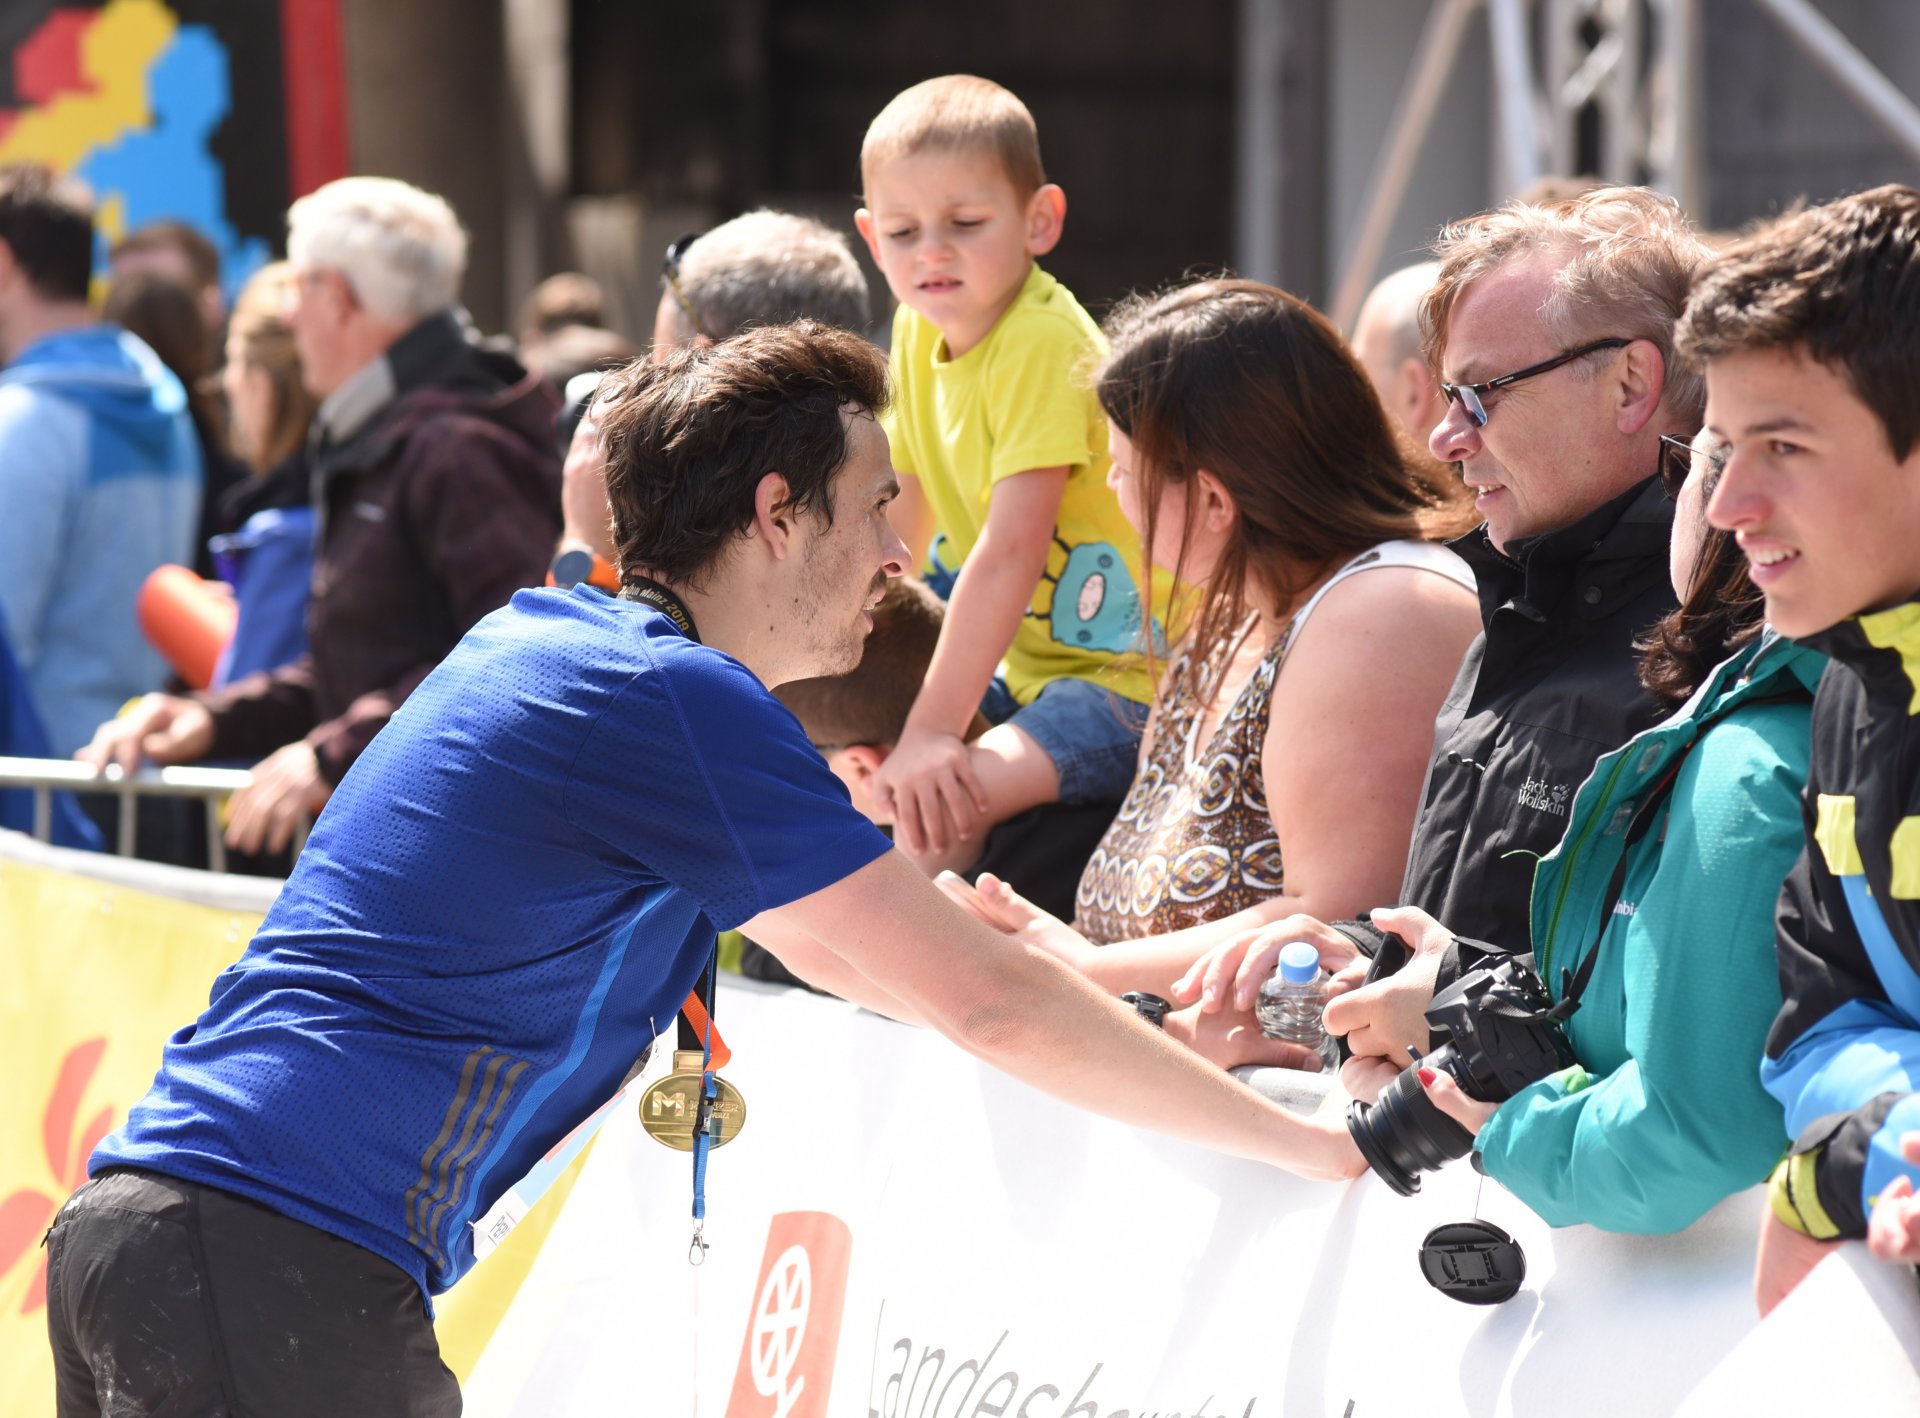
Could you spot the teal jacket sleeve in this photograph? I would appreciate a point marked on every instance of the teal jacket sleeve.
(1682, 1121)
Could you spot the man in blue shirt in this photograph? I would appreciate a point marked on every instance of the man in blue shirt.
(514, 888)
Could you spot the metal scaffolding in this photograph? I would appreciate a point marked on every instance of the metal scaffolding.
(1610, 87)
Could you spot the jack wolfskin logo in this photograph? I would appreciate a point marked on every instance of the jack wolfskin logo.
(1542, 796)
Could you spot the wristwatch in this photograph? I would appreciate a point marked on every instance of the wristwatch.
(1151, 1008)
(570, 568)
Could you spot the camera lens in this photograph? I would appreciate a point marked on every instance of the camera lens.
(1403, 1134)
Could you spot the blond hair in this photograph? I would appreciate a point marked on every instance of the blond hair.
(265, 339)
(1628, 255)
(957, 113)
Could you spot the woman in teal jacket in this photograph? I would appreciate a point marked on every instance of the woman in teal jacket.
(1664, 1115)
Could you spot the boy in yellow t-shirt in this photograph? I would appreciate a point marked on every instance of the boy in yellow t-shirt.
(993, 413)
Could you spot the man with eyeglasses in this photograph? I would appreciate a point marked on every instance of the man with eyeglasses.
(1551, 332)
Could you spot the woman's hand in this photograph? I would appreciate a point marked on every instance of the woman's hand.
(1232, 1040)
(1450, 1098)
(992, 902)
(1232, 972)
(1389, 1016)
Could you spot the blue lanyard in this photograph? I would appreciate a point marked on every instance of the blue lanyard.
(703, 1119)
(652, 593)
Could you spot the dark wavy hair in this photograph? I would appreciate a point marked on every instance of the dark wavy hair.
(1253, 385)
(46, 220)
(1839, 281)
(1721, 611)
(688, 438)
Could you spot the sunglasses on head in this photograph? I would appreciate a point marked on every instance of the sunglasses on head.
(1680, 457)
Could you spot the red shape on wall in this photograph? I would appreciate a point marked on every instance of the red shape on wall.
(315, 69)
(47, 63)
(26, 1214)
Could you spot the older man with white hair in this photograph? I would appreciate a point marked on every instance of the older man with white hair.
(437, 488)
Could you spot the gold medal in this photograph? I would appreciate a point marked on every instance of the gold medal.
(670, 1106)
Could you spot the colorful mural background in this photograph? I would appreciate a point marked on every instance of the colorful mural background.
(166, 110)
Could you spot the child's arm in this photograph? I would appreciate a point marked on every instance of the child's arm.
(927, 782)
(1893, 1231)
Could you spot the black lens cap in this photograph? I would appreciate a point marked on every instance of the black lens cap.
(1474, 1262)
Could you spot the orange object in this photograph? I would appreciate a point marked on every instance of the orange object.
(188, 620)
(696, 1014)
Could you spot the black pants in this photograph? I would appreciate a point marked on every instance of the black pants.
(169, 1298)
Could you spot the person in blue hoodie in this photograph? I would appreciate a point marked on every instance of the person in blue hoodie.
(22, 737)
(100, 473)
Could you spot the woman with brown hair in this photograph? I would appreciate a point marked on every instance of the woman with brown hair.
(268, 406)
(267, 553)
(1293, 719)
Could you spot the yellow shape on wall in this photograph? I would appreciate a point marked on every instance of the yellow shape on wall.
(115, 54)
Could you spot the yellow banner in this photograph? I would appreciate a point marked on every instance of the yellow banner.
(98, 975)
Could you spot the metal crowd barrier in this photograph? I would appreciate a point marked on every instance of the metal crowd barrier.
(46, 776)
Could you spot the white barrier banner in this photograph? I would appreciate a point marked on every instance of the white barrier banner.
(901, 1232)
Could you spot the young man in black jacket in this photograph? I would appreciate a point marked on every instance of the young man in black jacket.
(1810, 335)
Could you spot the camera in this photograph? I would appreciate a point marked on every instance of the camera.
(1502, 1033)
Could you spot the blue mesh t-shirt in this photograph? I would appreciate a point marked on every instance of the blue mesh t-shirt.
(512, 891)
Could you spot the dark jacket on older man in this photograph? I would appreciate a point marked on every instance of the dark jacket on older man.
(1551, 684)
(437, 488)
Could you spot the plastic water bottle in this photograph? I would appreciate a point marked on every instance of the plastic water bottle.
(1292, 1001)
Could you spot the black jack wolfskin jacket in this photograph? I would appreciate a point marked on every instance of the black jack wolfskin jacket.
(1550, 685)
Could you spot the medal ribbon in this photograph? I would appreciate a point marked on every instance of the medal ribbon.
(695, 1024)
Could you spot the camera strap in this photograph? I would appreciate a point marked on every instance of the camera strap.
(1574, 983)
(1642, 822)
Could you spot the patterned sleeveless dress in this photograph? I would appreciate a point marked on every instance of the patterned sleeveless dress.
(1195, 840)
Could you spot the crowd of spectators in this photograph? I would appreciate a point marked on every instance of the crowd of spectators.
(1511, 618)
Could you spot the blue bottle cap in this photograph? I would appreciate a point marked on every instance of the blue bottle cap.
(1299, 962)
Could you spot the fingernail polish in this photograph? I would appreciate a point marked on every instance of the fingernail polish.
(1427, 1076)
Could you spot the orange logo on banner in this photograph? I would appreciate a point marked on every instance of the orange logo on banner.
(793, 1335)
(25, 1216)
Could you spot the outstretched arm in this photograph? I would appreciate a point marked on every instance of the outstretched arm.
(1027, 1014)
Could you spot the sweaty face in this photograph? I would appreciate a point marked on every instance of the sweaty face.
(952, 238)
(846, 564)
(1551, 451)
(1824, 512)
